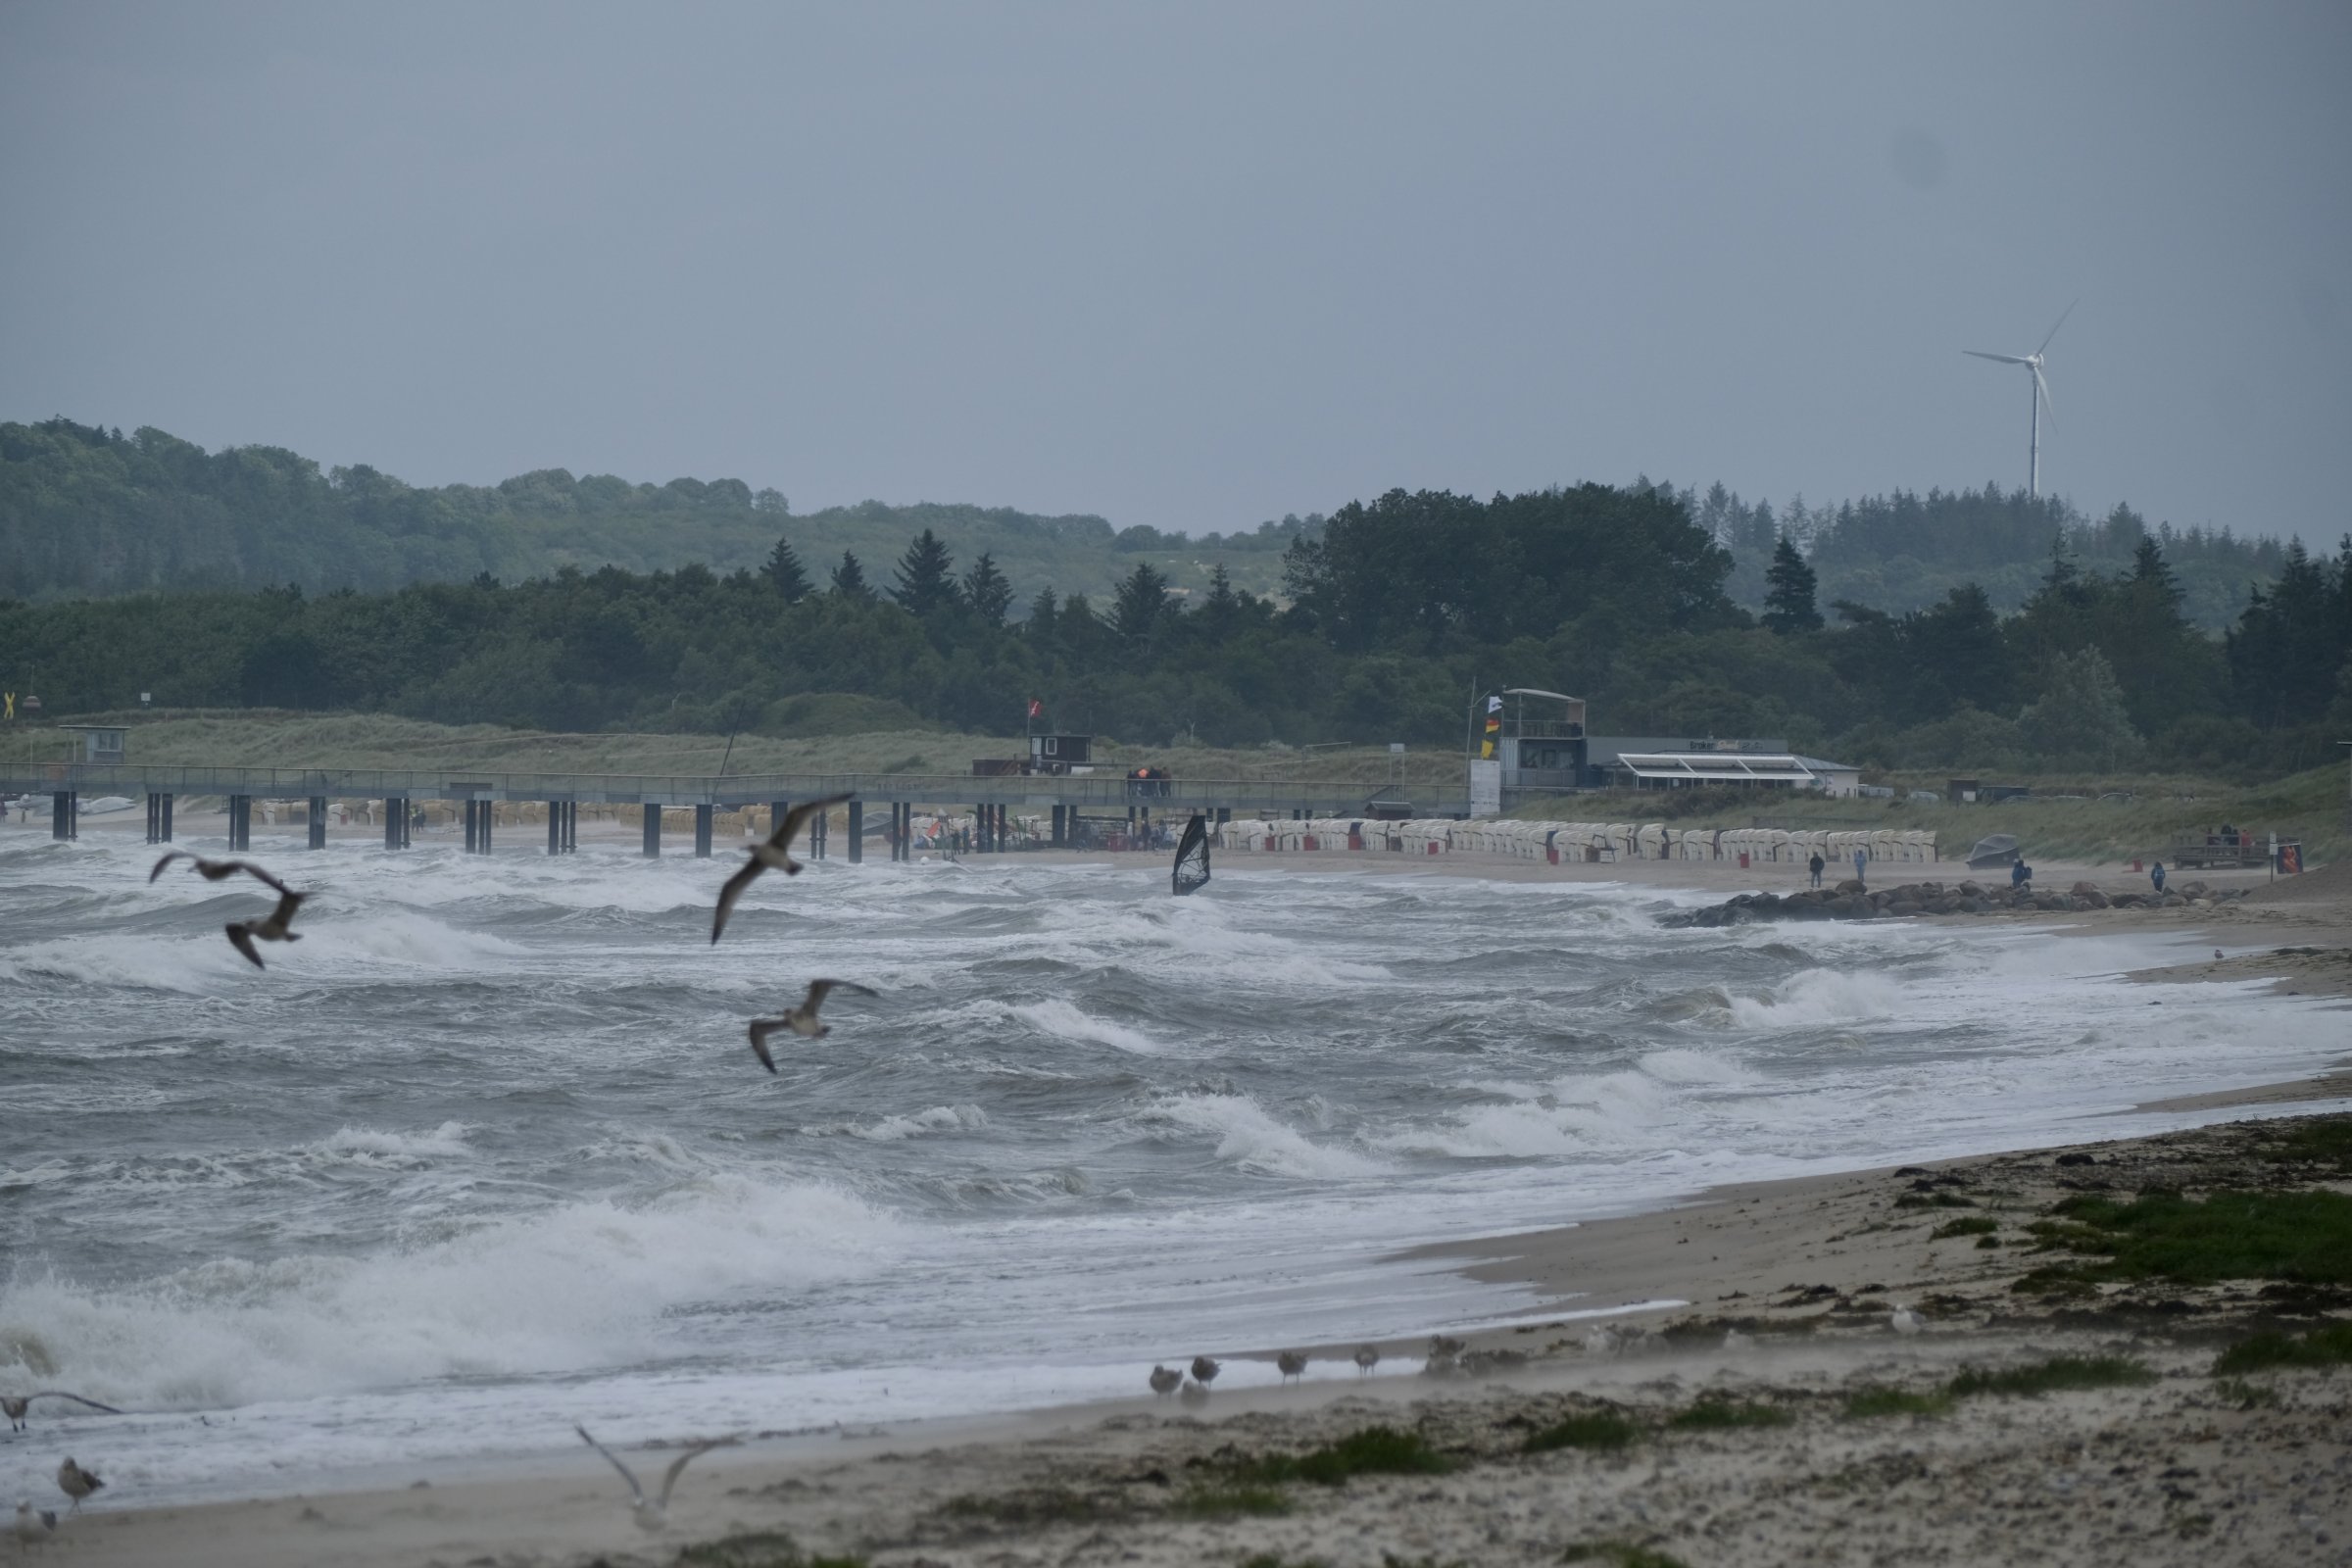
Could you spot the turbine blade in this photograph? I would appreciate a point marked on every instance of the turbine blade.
(2046, 404)
(2062, 316)
(2005, 359)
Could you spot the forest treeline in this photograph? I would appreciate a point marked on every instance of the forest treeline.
(90, 511)
(1394, 613)
(87, 511)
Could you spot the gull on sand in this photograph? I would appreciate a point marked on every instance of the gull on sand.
(13, 1405)
(774, 854)
(1368, 1357)
(34, 1524)
(1291, 1364)
(77, 1482)
(652, 1513)
(801, 1021)
(1905, 1322)
(1164, 1379)
(1193, 1393)
(1205, 1369)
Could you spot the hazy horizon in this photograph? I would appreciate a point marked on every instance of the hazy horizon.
(1199, 268)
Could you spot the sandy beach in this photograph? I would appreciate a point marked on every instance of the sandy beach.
(1751, 1400)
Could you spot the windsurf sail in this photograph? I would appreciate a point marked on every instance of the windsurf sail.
(1192, 857)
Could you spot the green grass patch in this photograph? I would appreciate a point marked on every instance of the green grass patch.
(2328, 1141)
(1595, 1429)
(2328, 1346)
(1971, 1225)
(1619, 1555)
(1866, 1405)
(2059, 1373)
(2247, 1395)
(1218, 1500)
(2304, 1237)
(1375, 1451)
(1720, 1415)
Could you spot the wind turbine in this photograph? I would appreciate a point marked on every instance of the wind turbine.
(2040, 395)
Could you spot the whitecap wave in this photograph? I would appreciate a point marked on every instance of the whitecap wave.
(1253, 1140)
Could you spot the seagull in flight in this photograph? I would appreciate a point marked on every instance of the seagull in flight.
(774, 854)
(13, 1405)
(801, 1021)
(652, 1513)
(242, 934)
(215, 870)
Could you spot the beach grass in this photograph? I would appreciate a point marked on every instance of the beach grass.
(1029, 1506)
(1222, 1500)
(1591, 1429)
(1866, 1404)
(2054, 1375)
(2328, 1345)
(761, 1548)
(1373, 1450)
(1971, 1225)
(2304, 1237)
(1720, 1414)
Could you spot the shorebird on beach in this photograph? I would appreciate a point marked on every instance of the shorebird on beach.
(1905, 1322)
(34, 1524)
(1290, 1364)
(1367, 1356)
(801, 1021)
(1194, 1395)
(77, 1482)
(1165, 1380)
(652, 1513)
(1601, 1340)
(13, 1405)
(1205, 1369)
(774, 854)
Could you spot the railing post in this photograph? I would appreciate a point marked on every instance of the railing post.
(653, 830)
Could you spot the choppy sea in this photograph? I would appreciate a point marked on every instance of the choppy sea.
(486, 1153)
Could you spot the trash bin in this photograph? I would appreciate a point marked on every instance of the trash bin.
(1743, 860)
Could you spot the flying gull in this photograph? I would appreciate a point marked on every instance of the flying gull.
(801, 1021)
(214, 870)
(77, 1482)
(242, 934)
(775, 854)
(13, 1405)
(652, 1513)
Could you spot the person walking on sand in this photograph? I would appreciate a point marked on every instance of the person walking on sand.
(1816, 867)
(2156, 875)
(1861, 859)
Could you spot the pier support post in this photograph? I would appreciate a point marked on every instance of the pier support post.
(702, 830)
(395, 818)
(317, 821)
(60, 815)
(856, 832)
(983, 829)
(167, 819)
(571, 827)
(653, 830)
(821, 833)
(152, 810)
(1060, 827)
(555, 827)
(473, 829)
(240, 821)
(775, 817)
(489, 816)
(907, 830)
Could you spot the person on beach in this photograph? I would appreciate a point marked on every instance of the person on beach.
(1816, 866)
(1861, 859)
(2156, 875)
(2020, 873)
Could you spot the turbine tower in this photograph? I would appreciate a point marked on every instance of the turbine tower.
(2040, 398)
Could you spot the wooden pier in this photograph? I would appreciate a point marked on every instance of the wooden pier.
(991, 798)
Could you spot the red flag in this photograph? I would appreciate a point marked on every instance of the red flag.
(1035, 708)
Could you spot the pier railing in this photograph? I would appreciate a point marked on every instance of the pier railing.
(1104, 792)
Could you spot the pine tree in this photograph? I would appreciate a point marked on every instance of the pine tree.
(784, 572)
(987, 592)
(926, 577)
(1223, 606)
(1044, 614)
(1789, 605)
(848, 580)
(1140, 601)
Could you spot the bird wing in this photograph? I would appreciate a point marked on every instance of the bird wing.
(60, 1394)
(169, 856)
(795, 815)
(257, 873)
(626, 1474)
(287, 903)
(242, 940)
(670, 1480)
(727, 895)
(762, 1028)
(818, 990)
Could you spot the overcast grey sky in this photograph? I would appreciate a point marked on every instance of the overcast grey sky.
(1196, 265)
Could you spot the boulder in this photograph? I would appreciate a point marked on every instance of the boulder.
(1852, 885)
